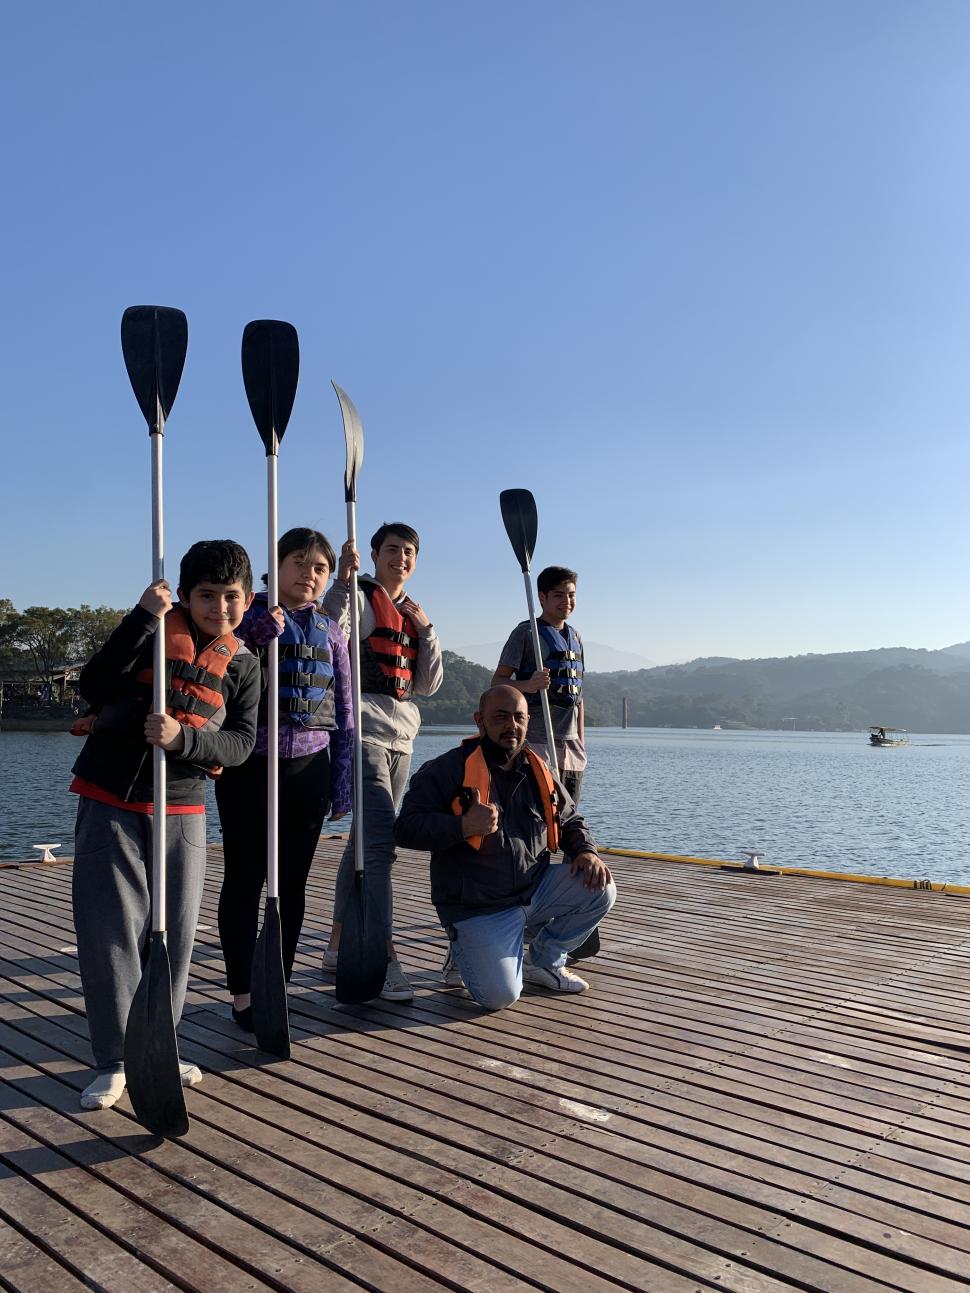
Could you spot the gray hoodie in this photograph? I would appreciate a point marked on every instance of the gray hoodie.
(384, 720)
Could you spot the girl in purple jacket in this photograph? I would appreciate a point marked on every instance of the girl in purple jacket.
(315, 760)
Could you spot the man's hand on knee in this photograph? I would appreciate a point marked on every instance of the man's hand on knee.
(596, 874)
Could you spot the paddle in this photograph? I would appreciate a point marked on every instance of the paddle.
(271, 369)
(522, 525)
(154, 340)
(362, 954)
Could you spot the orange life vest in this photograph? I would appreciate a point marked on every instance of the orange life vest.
(195, 690)
(478, 777)
(388, 654)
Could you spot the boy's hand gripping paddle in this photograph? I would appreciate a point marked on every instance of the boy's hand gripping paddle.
(522, 526)
(362, 954)
(154, 340)
(271, 369)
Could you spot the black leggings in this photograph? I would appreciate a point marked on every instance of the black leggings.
(304, 801)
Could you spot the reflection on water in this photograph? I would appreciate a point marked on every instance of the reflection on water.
(814, 799)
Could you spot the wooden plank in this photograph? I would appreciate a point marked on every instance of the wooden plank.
(231, 1151)
(763, 1113)
(59, 1232)
(26, 1268)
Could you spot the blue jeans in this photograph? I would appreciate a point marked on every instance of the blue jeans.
(489, 949)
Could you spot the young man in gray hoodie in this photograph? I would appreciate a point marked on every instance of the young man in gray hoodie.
(400, 657)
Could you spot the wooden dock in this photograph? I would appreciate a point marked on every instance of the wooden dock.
(768, 1088)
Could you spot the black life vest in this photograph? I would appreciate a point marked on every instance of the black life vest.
(388, 655)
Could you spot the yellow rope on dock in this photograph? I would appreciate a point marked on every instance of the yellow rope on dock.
(892, 882)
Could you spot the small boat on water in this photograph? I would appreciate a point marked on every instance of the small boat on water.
(888, 736)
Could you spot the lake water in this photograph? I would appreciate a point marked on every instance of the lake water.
(813, 799)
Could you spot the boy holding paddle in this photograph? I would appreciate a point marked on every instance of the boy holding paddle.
(561, 677)
(400, 658)
(212, 694)
(560, 674)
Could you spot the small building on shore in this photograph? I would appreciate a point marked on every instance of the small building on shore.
(33, 702)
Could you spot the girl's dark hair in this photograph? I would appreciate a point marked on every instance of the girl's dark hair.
(305, 541)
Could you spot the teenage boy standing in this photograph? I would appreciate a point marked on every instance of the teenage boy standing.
(400, 657)
(561, 675)
(212, 694)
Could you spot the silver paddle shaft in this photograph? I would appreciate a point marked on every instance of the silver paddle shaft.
(355, 689)
(552, 758)
(272, 689)
(160, 787)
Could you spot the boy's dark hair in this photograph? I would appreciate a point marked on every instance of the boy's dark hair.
(395, 527)
(304, 541)
(219, 561)
(553, 575)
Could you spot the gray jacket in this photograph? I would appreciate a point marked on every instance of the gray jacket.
(384, 720)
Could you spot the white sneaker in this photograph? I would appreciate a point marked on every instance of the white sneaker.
(329, 961)
(106, 1090)
(450, 971)
(559, 979)
(190, 1074)
(396, 986)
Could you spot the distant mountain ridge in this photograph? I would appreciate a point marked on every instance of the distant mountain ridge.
(899, 686)
(600, 658)
(921, 690)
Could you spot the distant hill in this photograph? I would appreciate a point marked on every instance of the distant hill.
(600, 658)
(923, 691)
(920, 690)
(457, 698)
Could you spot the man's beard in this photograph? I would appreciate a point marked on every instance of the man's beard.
(498, 754)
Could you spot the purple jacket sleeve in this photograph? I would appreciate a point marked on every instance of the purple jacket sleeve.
(341, 740)
(258, 628)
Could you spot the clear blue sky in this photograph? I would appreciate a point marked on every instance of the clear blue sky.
(696, 273)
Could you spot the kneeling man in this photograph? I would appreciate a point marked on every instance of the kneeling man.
(491, 815)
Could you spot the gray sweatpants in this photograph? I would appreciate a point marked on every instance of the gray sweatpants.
(112, 886)
(385, 776)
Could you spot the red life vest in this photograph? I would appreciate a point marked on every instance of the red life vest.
(478, 777)
(196, 686)
(388, 655)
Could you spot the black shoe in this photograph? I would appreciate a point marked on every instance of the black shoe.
(585, 950)
(244, 1018)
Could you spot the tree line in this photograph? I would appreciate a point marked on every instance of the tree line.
(43, 639)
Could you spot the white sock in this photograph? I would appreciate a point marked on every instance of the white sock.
(191, 1073)
(104, 1091)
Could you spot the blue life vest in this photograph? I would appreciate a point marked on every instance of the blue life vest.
(306, 683)
(562, 655)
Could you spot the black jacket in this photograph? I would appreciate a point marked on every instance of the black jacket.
(511, 862)
(117, 758)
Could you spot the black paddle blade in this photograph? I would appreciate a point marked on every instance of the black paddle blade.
(271, 370)
(362, 956)
(521, 523)
(354, 437)
(151, 1051)
(154, 339)
(271, 1022)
